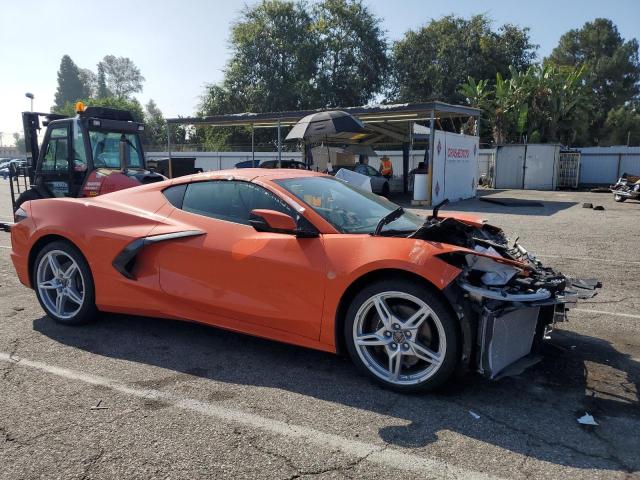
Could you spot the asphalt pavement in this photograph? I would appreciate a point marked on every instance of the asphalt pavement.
(131, 397)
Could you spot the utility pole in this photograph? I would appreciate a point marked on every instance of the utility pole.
(30, 96)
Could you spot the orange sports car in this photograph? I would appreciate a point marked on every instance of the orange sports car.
(299, 257)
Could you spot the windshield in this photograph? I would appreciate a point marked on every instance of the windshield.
(349, 209)
(106, 149)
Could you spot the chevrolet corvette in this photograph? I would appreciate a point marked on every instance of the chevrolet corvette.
(298, 257)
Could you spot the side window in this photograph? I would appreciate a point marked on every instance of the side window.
(231, 201)
(56, 158)
(372, 172)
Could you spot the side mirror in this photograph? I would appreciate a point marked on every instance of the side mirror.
(124, 153)
(272, 221)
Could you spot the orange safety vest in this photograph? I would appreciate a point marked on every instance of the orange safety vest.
(386, 167)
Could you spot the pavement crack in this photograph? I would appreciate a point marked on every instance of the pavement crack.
(10, 365)
(90, 463)
(338, 468)
(550, 443)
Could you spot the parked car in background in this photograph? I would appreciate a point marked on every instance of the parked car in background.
(284, 164)
(18, 164)
(379, 184)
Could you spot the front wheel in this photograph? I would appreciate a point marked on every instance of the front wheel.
(64, 284)
(619, 198)
(402, 335)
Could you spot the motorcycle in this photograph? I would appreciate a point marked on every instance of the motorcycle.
(628, 186)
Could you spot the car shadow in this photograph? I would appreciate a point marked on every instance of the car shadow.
(533, 414)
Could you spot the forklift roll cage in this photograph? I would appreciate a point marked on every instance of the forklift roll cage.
(91, 119)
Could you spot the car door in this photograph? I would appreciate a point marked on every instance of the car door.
(259, 279)
(377, 180)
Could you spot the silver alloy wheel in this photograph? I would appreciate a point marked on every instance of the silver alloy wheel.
(399, 338)
(60, 284)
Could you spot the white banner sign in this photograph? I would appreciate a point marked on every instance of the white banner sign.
(455, 166)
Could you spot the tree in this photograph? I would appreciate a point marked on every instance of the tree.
(432, 62)
(622, 127)
(89, 80)
(155, 131)
(70, 85)
(352, 62)
(18, 140)
(101, 83)
(612, 63)
(273, 58)
(131, 105)
(542, 103)
(122, 77)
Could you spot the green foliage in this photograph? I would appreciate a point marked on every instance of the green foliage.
(433, 61)
(352, 62)
(155, 131)
(612, 63)
(545, 103)
(70, 86)
(101, 83)
(132, 106)
(289, 56)
(122, 78)
(273, 59)
(18, 140)
(622, 127)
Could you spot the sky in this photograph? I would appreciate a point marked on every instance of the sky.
(182, 46)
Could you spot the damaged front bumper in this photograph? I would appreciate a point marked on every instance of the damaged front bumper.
(506, 299)
(513, 327)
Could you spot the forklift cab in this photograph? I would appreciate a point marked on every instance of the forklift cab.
(78, 151)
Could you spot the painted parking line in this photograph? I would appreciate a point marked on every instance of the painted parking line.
(369, 452)
(602, 312)
(5, 246)
(590, 259)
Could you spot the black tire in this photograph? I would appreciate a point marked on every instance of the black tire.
(449, 329)
(87, 310)
(618, 198)
(26, 196)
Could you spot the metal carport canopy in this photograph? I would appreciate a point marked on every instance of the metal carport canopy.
(383, 121)
(399, 112)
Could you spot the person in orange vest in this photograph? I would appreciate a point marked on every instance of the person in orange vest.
(386, 167)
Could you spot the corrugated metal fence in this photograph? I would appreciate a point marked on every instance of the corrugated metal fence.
(604, 165)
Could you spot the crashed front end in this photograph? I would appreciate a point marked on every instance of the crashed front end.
(507, 299)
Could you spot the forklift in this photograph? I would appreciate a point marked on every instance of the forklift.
(97, 151)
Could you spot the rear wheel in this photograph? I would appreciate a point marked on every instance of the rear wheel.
(619, 198)
(64, 284)
(402, 335)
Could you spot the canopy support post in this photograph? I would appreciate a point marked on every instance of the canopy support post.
(279, 145)
(432, 134)
(169, 149)
(253, 152)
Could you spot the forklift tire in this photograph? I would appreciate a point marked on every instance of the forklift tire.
(26, 196)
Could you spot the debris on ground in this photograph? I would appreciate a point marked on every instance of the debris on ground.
(474, 414)
(587, 205)
(587, 419)
(99, 406)
(598, 207)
